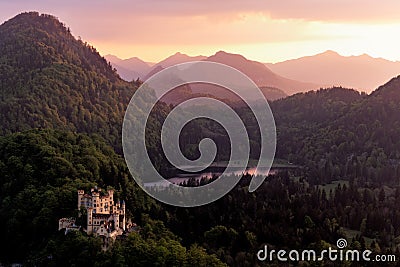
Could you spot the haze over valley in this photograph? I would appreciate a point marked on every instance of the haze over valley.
(363, 73)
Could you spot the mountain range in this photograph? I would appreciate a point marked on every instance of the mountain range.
(59, 82)
(363, 73)
(257, 71)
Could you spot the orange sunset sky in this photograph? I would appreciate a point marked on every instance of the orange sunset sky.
(267, 31)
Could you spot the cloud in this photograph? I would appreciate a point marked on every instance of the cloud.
(172, 22)
(310, 10)
(194, 25)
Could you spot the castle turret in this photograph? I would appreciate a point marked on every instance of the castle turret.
(124, 215)
(89, 220)
(80, 198)
(116, 221)
(95, 201)
(111, 196)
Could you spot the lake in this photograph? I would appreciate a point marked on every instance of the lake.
(183, 177)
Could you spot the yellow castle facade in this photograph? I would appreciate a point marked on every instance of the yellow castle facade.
(102, 210)
(105, 216)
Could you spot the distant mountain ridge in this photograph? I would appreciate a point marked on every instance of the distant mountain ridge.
(256, 71)
(129, 69)
(327, 69)
(363, 72)
(178, 58)
(260, 74)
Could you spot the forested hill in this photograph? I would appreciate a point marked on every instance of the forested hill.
(390, 90)
(49, 79)
(338, 133)
(320, 106)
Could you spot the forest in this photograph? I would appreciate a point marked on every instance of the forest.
(62, 107)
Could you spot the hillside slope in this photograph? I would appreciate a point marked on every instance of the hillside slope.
(48, 79)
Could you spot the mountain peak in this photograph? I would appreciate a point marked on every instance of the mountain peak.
(230, 59)
(45, 22)
(178, 58)
(33, 15)
(330, 53)
(226, 54)
(365, 56)
(221, 52)
(259, 73)
(47, 41)
(66, 80)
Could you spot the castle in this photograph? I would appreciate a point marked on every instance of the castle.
(105, 216)
(103, 213)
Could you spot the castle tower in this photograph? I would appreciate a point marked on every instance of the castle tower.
(116, 220)
(80, 198)
(89, 221)
(96, 201)
(124, 215)
(111, 196)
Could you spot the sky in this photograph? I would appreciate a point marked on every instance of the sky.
(262, 30)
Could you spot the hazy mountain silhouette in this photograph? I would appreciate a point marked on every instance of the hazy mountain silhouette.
(362, 72)
(257, 71)
(176, 58)
(260, 74)
(131, 68)
(153, 71)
